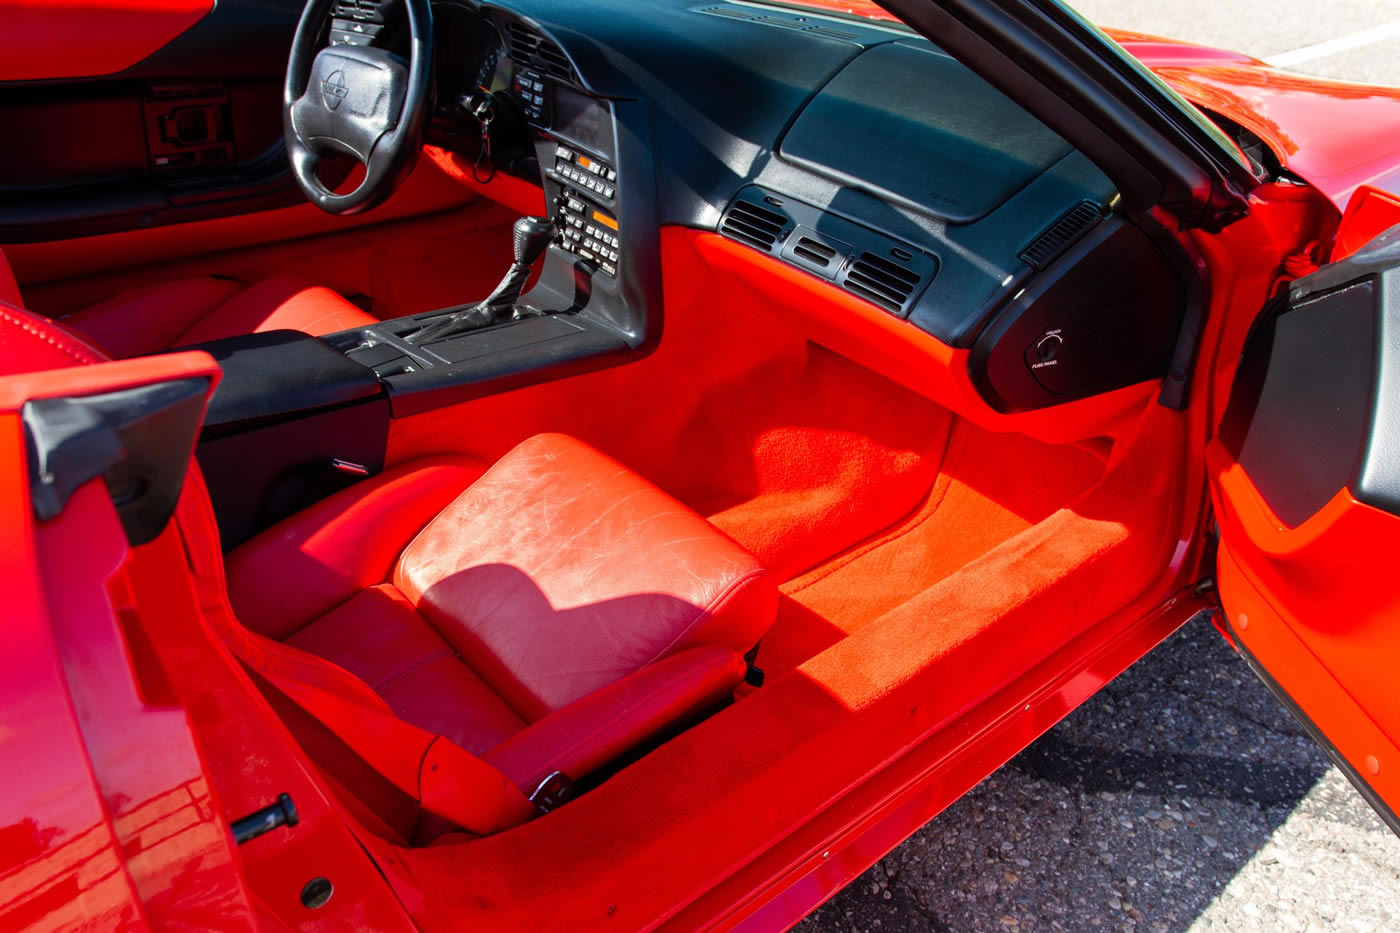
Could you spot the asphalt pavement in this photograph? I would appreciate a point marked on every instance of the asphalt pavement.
(1182, 796)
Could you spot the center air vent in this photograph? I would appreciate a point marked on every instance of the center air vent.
(530, 49)
(882, 281)
(866, 262)
(818, 254)
(754, 225)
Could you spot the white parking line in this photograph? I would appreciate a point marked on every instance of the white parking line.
(1355, 40)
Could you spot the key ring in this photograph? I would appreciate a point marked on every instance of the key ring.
(485, 114)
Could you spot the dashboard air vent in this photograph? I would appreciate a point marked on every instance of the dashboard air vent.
(818, 254)
(1061, 234)
(793, 21)
(754, 225)
(530, 49)
(829, 33)
(886, 283)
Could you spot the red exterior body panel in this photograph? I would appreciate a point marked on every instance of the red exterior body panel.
(1338, 136)
(110, 821)
(60, 863)
(112, 698)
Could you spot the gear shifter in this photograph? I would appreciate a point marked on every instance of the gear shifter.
(532, 236)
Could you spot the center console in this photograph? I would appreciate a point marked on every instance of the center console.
(296, 417)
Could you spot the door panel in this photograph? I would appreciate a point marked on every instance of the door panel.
(139, 113)
(1305, 476)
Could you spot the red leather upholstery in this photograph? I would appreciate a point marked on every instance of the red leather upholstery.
(195, 310)
(463, 632)
(29, 343)
(340, 545)
(560, 571)
(551, 615)
(9, 288)
(590, 732)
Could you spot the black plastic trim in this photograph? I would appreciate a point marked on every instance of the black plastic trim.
(534, 349)
(1105, 314)
(277, 374)
(138, 440)
(1316, 402)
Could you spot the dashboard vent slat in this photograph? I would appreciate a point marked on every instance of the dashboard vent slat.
(829, 33)
(533, 50)
(793, 22)
(885, 283)
(1061, 234)
(754, 225)
(818, 254)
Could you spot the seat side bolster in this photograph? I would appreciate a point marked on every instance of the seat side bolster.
(305, 566)
(448, 781)
(605, 724)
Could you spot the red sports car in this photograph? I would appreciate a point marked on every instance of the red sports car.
(679, 449)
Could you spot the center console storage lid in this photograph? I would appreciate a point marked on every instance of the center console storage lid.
(280, 373)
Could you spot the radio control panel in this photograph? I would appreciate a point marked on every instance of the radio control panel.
(588, 226)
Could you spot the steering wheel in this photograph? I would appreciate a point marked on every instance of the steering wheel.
(360, 101)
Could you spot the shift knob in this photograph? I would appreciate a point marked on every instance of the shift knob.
(532, 236)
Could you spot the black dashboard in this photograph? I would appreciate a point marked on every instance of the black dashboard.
(854, 151)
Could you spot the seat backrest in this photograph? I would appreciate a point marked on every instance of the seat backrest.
(30, 343)
(445, 779)
(9, 288)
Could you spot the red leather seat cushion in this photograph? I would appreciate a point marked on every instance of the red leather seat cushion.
(380, 638)
(524, 607)
(280, 303)
(560, 571)
(199, 309)
(195, 310)
(304, 567)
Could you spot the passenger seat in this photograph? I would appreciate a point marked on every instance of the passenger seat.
(192, 310)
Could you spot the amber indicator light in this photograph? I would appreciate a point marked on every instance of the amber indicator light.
(604, 219)
(585, 161)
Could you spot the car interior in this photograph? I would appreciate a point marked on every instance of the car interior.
(730, 396)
